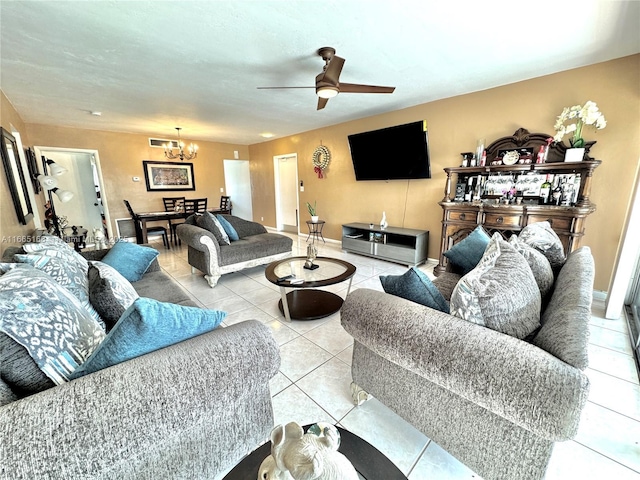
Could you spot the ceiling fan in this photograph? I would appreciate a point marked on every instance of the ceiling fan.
(328, 84)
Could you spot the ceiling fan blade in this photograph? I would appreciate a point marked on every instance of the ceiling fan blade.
(357, 88)
(332, 73)
(322, 102)
(278, 88)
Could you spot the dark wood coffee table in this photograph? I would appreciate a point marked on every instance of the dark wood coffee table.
(368, 461)
(305, 302)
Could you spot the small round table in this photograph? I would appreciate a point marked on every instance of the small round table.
(368, 461)
(306, 302)
(315, 229)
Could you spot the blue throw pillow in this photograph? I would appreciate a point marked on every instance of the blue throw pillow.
(130, 259)
(414, 285)
(233, 235)
(467, 253)
(146, 326)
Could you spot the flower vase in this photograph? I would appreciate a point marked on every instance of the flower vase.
(383, 221)
(574, 155)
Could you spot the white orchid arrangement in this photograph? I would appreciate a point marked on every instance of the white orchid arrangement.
(579, 116)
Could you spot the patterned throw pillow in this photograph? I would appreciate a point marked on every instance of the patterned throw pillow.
(56, 247)
(544, 239)
(500, 293)
(540, 266)
(414, 285)
(149, 325)
(48, 321)
(467, 253)
(210, 223)
(66, 273)
(109, 292)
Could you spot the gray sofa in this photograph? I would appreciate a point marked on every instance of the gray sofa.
(255, 247)
(495, 402)
(188, 411)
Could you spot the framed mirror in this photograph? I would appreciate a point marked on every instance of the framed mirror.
(15, 177)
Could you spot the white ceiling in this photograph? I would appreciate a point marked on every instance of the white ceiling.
(150, 66)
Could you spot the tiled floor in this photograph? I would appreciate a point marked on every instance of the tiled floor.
(313, 382)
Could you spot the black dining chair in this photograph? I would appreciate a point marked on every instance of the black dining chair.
(173, 204)
(225, 204)
(195, 205)
(154, 230)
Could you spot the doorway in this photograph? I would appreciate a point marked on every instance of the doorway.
(237, 180)
(84, 179)
(286, 185)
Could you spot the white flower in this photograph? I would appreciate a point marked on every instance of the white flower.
(587, 114)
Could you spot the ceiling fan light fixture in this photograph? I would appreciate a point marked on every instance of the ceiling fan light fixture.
(327, 92)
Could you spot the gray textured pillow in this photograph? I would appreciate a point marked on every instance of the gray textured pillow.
(540, 266)
(445, 283)
(109, 293)
(211, 224)
(6, 394)
(19, 371)
(500, 293)
(565, 322)
(544, 239)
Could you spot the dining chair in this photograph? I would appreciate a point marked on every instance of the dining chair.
(225, 204)
(172, 204)
(195, 205)
(151, 231)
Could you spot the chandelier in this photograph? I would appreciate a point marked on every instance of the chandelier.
(168, 150)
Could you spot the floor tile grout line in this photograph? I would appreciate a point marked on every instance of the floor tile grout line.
(422, 452)
(614, 411)
(637, 384)
(606, 456)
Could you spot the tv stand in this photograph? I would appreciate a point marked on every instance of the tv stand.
(401, 245)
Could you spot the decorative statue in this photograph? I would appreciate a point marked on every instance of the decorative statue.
(311, 456)
(383, 222)
(312, 253)
(99, 239)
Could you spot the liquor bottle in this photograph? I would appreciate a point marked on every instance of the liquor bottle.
(541, 154)
(556, 193)
(468, 193)
(545, 191)
(483, 159)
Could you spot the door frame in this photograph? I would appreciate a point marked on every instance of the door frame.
(96, 157)
(226, 186)
(276, 177)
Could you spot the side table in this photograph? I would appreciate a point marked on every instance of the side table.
(315, 230)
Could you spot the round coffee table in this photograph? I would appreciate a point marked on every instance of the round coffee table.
(305, 302)
(368, 461)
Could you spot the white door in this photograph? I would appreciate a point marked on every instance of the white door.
(286, 179)
(237, 179)
(83, 178)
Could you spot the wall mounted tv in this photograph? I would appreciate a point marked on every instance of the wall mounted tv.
(393, 153)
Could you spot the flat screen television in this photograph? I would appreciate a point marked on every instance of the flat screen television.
(393, 153)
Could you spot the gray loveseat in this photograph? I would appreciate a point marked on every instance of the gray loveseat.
(188, 411)
(255, 247)
(495, 402)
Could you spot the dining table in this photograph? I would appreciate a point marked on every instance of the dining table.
(145, 217)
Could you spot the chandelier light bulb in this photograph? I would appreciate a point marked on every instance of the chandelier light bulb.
(168, 150)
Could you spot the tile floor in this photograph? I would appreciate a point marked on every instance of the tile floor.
(313, 382)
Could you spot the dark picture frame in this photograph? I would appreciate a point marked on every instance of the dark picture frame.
(168, 176)
(15, 177)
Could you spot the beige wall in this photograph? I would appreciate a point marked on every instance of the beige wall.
(11, 231)
(454, 126)
(121, 157)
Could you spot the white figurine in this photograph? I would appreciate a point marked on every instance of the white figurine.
(99, 239)
(299, 456)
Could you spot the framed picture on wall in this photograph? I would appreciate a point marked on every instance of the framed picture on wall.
(168, 176)
(15, 177)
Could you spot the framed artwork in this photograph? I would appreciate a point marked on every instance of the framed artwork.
(15, 177)
(168, 176)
